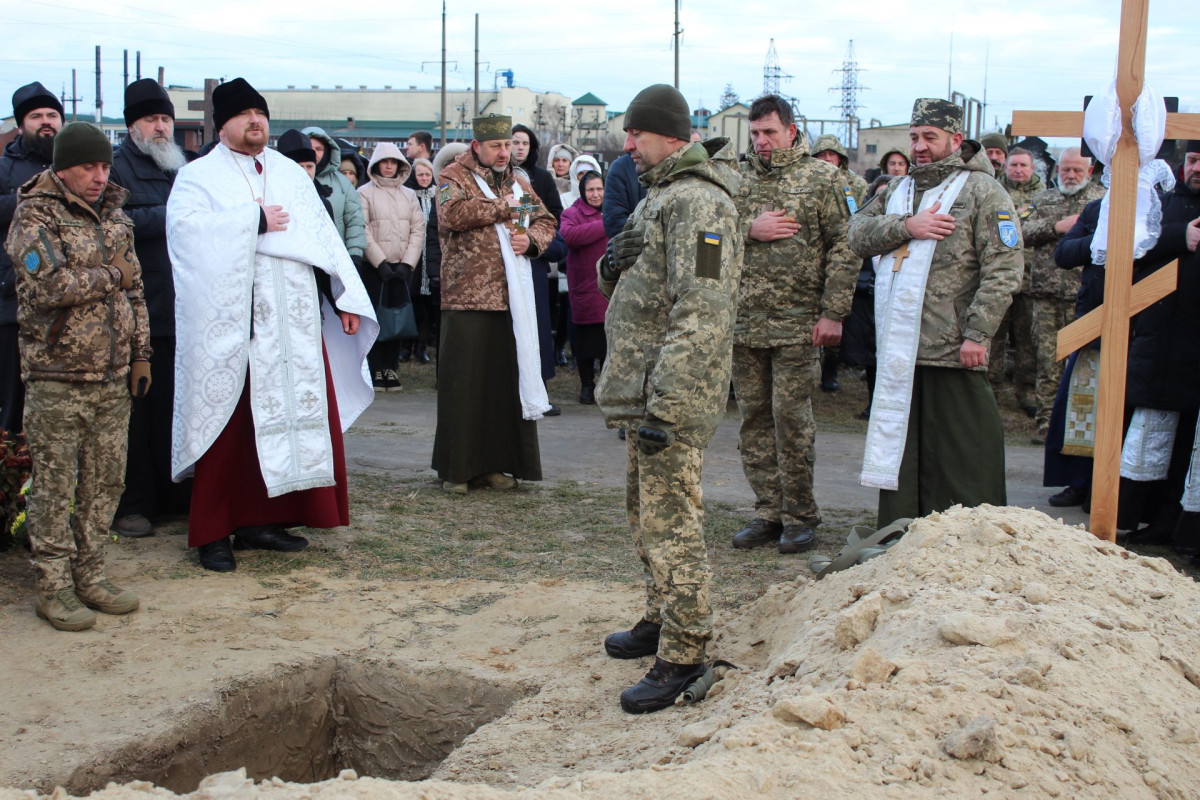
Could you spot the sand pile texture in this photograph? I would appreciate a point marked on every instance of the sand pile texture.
(991, 651)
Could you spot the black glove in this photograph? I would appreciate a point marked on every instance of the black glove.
(386, 271)
(624, 248)
(403, 271)
(655, 435)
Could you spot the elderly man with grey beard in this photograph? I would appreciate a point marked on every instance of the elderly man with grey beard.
(146, 164)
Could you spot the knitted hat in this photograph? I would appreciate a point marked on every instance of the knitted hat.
(1193, 146)
(296, 146)
(80, 143)
(146, 97)
(490, 127)
(660, 109)
(938, 113)
(997, 140)
(234, 97)
(31, 96)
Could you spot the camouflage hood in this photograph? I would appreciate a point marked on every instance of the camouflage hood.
(47, 184)
(828, 141)
(712, 160)
(970, 157)
(779, 158)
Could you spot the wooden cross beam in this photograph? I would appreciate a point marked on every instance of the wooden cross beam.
(206, 105)
(1118, 300)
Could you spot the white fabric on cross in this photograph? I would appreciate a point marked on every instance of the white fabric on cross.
(899, 302)
(523, 309)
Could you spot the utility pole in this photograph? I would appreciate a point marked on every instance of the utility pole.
(139, 65)
(678, 33)
(475, 108)
(99, 98)
(75, 98)
(126, 68)
(443, 73)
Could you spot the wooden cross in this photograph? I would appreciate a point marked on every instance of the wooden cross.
(899, 255)
(1111, 320)
(206, 105)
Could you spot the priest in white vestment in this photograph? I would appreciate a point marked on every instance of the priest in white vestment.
(273, 326)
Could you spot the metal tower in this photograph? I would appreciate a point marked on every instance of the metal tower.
(772, 72)
(849, 88)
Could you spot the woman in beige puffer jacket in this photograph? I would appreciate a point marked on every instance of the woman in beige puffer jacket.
(395, 228)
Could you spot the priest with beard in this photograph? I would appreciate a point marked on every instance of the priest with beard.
(146, 164)
(39, 117)
(267, 374)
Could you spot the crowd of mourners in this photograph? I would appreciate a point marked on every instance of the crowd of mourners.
(179, 331)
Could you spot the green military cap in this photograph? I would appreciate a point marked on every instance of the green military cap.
(938, 113)
(997, 140)
(491, 126)
(827, 141)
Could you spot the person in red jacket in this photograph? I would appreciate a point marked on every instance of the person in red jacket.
(583, 231)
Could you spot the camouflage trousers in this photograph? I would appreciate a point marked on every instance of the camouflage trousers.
(1019, 318)
(1049, 316)
(774, 388)
(77, 436)
(666, 516)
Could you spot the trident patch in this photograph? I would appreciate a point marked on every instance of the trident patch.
(1007, 228)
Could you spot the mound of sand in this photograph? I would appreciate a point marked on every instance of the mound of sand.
(992, 650)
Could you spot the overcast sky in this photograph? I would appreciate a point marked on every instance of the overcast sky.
(1046, 58)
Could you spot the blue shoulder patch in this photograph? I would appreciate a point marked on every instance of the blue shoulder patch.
(32, 261)
(1007, 228)
(850, 204)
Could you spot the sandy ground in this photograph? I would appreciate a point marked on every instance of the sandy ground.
(1082, 658)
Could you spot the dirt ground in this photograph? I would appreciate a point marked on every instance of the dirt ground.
(294, 669)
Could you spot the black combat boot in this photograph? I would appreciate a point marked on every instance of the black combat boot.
(664, 682)
(758, 533)
(641, 640)
(587, 394)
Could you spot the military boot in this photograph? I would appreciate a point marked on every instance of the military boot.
(106, 597)
(63, 610)
(641, 640)
(758, 533)
(664, 682)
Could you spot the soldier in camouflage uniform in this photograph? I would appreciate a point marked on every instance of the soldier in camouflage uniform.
(1022, 183)
(797, 284)
(1051, 214)
(85, 345)
(954, 448)
(672, 274)
(829, 148)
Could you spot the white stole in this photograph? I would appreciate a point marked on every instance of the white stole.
(523, 308)
(899, 301)
(1146, 451)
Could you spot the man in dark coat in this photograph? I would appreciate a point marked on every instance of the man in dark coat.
(622, 193)
(1164, 350)
(525, 155)
(38, 116)
(146, 164)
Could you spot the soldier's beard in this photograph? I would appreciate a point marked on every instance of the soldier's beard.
(1071, 189)
(165, 154)
(40, 146)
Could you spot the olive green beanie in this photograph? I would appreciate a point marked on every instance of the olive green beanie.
(660, 109)
(81, 143)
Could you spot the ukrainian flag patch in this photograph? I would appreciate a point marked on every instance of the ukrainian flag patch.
(708, 256)
(1007, 229)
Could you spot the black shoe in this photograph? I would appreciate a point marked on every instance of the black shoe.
(658, 689)
(758, 533)
(1031, 411)
(268, 537)
(217, 556)
(641, 640)
(1070, 496)
(865, 414)
(554, 411)
(796, 539)
(560, 357)
(587, 395)
(405, 355)
(421, 355)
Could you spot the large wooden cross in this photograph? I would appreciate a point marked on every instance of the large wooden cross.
(206, 105)
(1111, 320)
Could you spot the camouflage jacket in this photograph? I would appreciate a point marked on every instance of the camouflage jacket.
(472, 267)
(1046, 279)
(788, 284)
(1022, 194)
(858, 187)
(76, 323)
(974, 273)
(670, 321)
